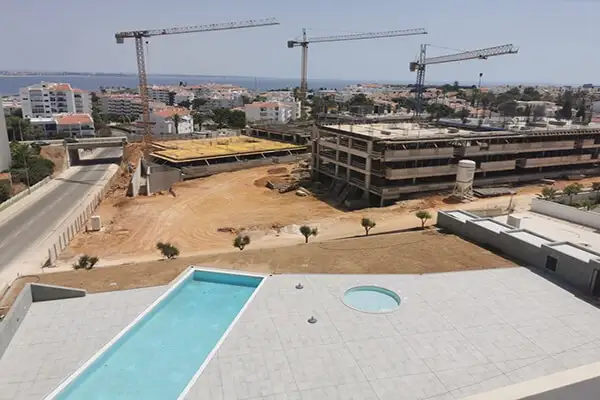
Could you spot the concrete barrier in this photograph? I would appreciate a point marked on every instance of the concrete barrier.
(136, 180)
(24, 193)
(41, 292)
(567, 213)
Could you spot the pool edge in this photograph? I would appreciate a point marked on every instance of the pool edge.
(215, 349)
(170, 288)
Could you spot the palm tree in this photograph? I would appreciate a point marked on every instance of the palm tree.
(198, 120)
(176, 119)
(548, 193)
(571, 190)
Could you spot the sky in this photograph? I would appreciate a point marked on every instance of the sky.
(557, 38)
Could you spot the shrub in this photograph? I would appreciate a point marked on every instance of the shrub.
(167, 250)
(241, 241)
(423, 216)
(86, 262)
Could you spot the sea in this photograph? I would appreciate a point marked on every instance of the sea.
(10, 85)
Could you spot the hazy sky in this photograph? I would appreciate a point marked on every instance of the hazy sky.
(558, 39)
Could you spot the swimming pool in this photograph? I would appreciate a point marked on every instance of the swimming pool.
(156, 355)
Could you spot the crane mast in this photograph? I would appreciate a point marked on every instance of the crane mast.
(139, 37)
(420, 65)
(304, 42)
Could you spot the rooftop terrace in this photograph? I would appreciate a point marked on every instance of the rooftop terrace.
(504, 326)
(193, 150)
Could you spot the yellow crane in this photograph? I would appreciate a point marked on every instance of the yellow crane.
(139, 37)
(338, 38)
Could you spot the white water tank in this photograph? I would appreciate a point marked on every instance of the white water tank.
(465, 174)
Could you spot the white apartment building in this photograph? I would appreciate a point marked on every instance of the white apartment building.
(47, 98)
(66, 125)
(162, 121)
(129, 105)
(269, 112)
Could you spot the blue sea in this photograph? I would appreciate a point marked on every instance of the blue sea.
(10, 85)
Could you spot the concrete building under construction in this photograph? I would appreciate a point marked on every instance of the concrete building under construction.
(383, 162)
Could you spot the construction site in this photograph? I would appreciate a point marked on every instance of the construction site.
(384, 162)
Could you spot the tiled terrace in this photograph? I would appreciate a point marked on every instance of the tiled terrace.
(454, 335)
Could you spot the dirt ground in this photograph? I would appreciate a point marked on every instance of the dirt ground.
(397, 253)
(57, 155)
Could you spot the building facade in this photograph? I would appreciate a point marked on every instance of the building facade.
(386, 161)
(47, 98)
(163, 121)
(66, 125)
(270, 112)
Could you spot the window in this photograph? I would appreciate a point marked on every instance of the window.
(551, 263)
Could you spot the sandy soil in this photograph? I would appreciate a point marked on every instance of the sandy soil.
(57, 155)
(408, 252)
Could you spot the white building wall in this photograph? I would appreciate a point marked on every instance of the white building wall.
(4, 145)
(278, 113)
(165, 126)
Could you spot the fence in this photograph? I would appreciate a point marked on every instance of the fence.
(24, 193)
(77, 220)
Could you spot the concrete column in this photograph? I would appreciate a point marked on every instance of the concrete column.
(60, 242)
(368, 168)
(337, 154)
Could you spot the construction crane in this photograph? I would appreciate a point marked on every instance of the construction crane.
(423, 61)
(139, 37)
(339, 38)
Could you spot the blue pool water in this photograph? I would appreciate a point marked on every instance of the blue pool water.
(159, 355)
(371, 299)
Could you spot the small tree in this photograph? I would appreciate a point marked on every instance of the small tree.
(571, 190)
(307, 232)
(167, 250)
(596, 188)
(86, 262)
(548, 193)
(368, 224)
(423, 216)
(241, 241)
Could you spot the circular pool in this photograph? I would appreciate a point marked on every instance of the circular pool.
(371, 299)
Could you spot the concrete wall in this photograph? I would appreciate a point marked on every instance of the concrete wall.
(40, 292)
(567, 213)
(31, 293)
(162, 178)
(75, 222)
(199, 172)
(136, 180)
(24, 193)
(576, 272)
(13, 319)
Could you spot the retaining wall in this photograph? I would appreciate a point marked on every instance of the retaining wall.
(24, 193)
(31, 293)
(76, 221)
(136, 180)
(577, 272)
(199, 172)
(567, 213)
(161, 178)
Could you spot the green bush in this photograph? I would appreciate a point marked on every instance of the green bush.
(167, 250)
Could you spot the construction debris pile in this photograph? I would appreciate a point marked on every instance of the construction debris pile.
(285, 182)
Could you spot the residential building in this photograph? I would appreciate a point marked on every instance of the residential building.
(162, 121)
(66, 125)
(11, 104)
(269, 112)
(129, 105)
(47, 98)
(159, 93)
(4, 146)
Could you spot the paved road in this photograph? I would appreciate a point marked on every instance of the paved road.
(29, 226)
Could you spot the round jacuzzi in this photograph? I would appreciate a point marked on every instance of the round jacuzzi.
(371, 299)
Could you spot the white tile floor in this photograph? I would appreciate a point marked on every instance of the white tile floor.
(454, 335)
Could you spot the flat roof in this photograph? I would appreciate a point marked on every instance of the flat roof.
(529, 238)
(556, 230)
(402, 131)
(454, 335)
(197, 149)
(576, 252)
(493, 225)
(461, 215)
